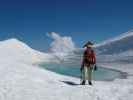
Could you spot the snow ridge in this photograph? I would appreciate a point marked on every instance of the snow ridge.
(120, 37)
(14, 49)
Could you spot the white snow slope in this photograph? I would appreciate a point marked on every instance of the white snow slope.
(20, 79)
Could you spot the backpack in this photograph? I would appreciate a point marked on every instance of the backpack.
(89, 56)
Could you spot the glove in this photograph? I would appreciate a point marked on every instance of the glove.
(81, 68)
(95, 68)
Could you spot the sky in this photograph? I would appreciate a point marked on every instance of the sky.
(83, 20)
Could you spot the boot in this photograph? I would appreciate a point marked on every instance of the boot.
(83, 82)
(90, 83)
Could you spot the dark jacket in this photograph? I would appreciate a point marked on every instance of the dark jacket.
(89, 57)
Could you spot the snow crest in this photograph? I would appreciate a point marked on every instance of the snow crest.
(14, 49)
(115, 39)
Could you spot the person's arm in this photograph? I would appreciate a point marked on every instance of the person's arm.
(93, 57)
(94, 61)
(82, 63)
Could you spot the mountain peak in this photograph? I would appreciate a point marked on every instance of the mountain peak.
(11, 41)
(13, 44)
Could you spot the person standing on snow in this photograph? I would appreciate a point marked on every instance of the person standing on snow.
(88, 64)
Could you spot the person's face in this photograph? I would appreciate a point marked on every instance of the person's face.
(89, 46)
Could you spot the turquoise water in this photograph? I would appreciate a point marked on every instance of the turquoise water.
(102, 74)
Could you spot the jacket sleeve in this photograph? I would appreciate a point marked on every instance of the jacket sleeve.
(94, 57)
(82, 62)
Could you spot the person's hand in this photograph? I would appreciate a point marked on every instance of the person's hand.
(82, 66)
(81, 69)
(95, 67)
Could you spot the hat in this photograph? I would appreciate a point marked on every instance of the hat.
(88, 44)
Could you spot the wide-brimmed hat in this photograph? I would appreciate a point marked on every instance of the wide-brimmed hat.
(89, 43)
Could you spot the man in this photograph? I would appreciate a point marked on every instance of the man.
(88, 63)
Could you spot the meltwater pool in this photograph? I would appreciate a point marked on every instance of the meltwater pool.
(102, 74)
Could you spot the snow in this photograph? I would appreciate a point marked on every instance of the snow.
(22, 79)
(14, 49)
(115, 39)
(118, 49)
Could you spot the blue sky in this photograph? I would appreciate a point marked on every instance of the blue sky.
(83, 20)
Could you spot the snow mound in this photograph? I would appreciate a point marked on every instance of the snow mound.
(14, 43)
(14, 49)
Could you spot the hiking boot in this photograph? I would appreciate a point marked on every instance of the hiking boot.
(90, 83)
(83, 82)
